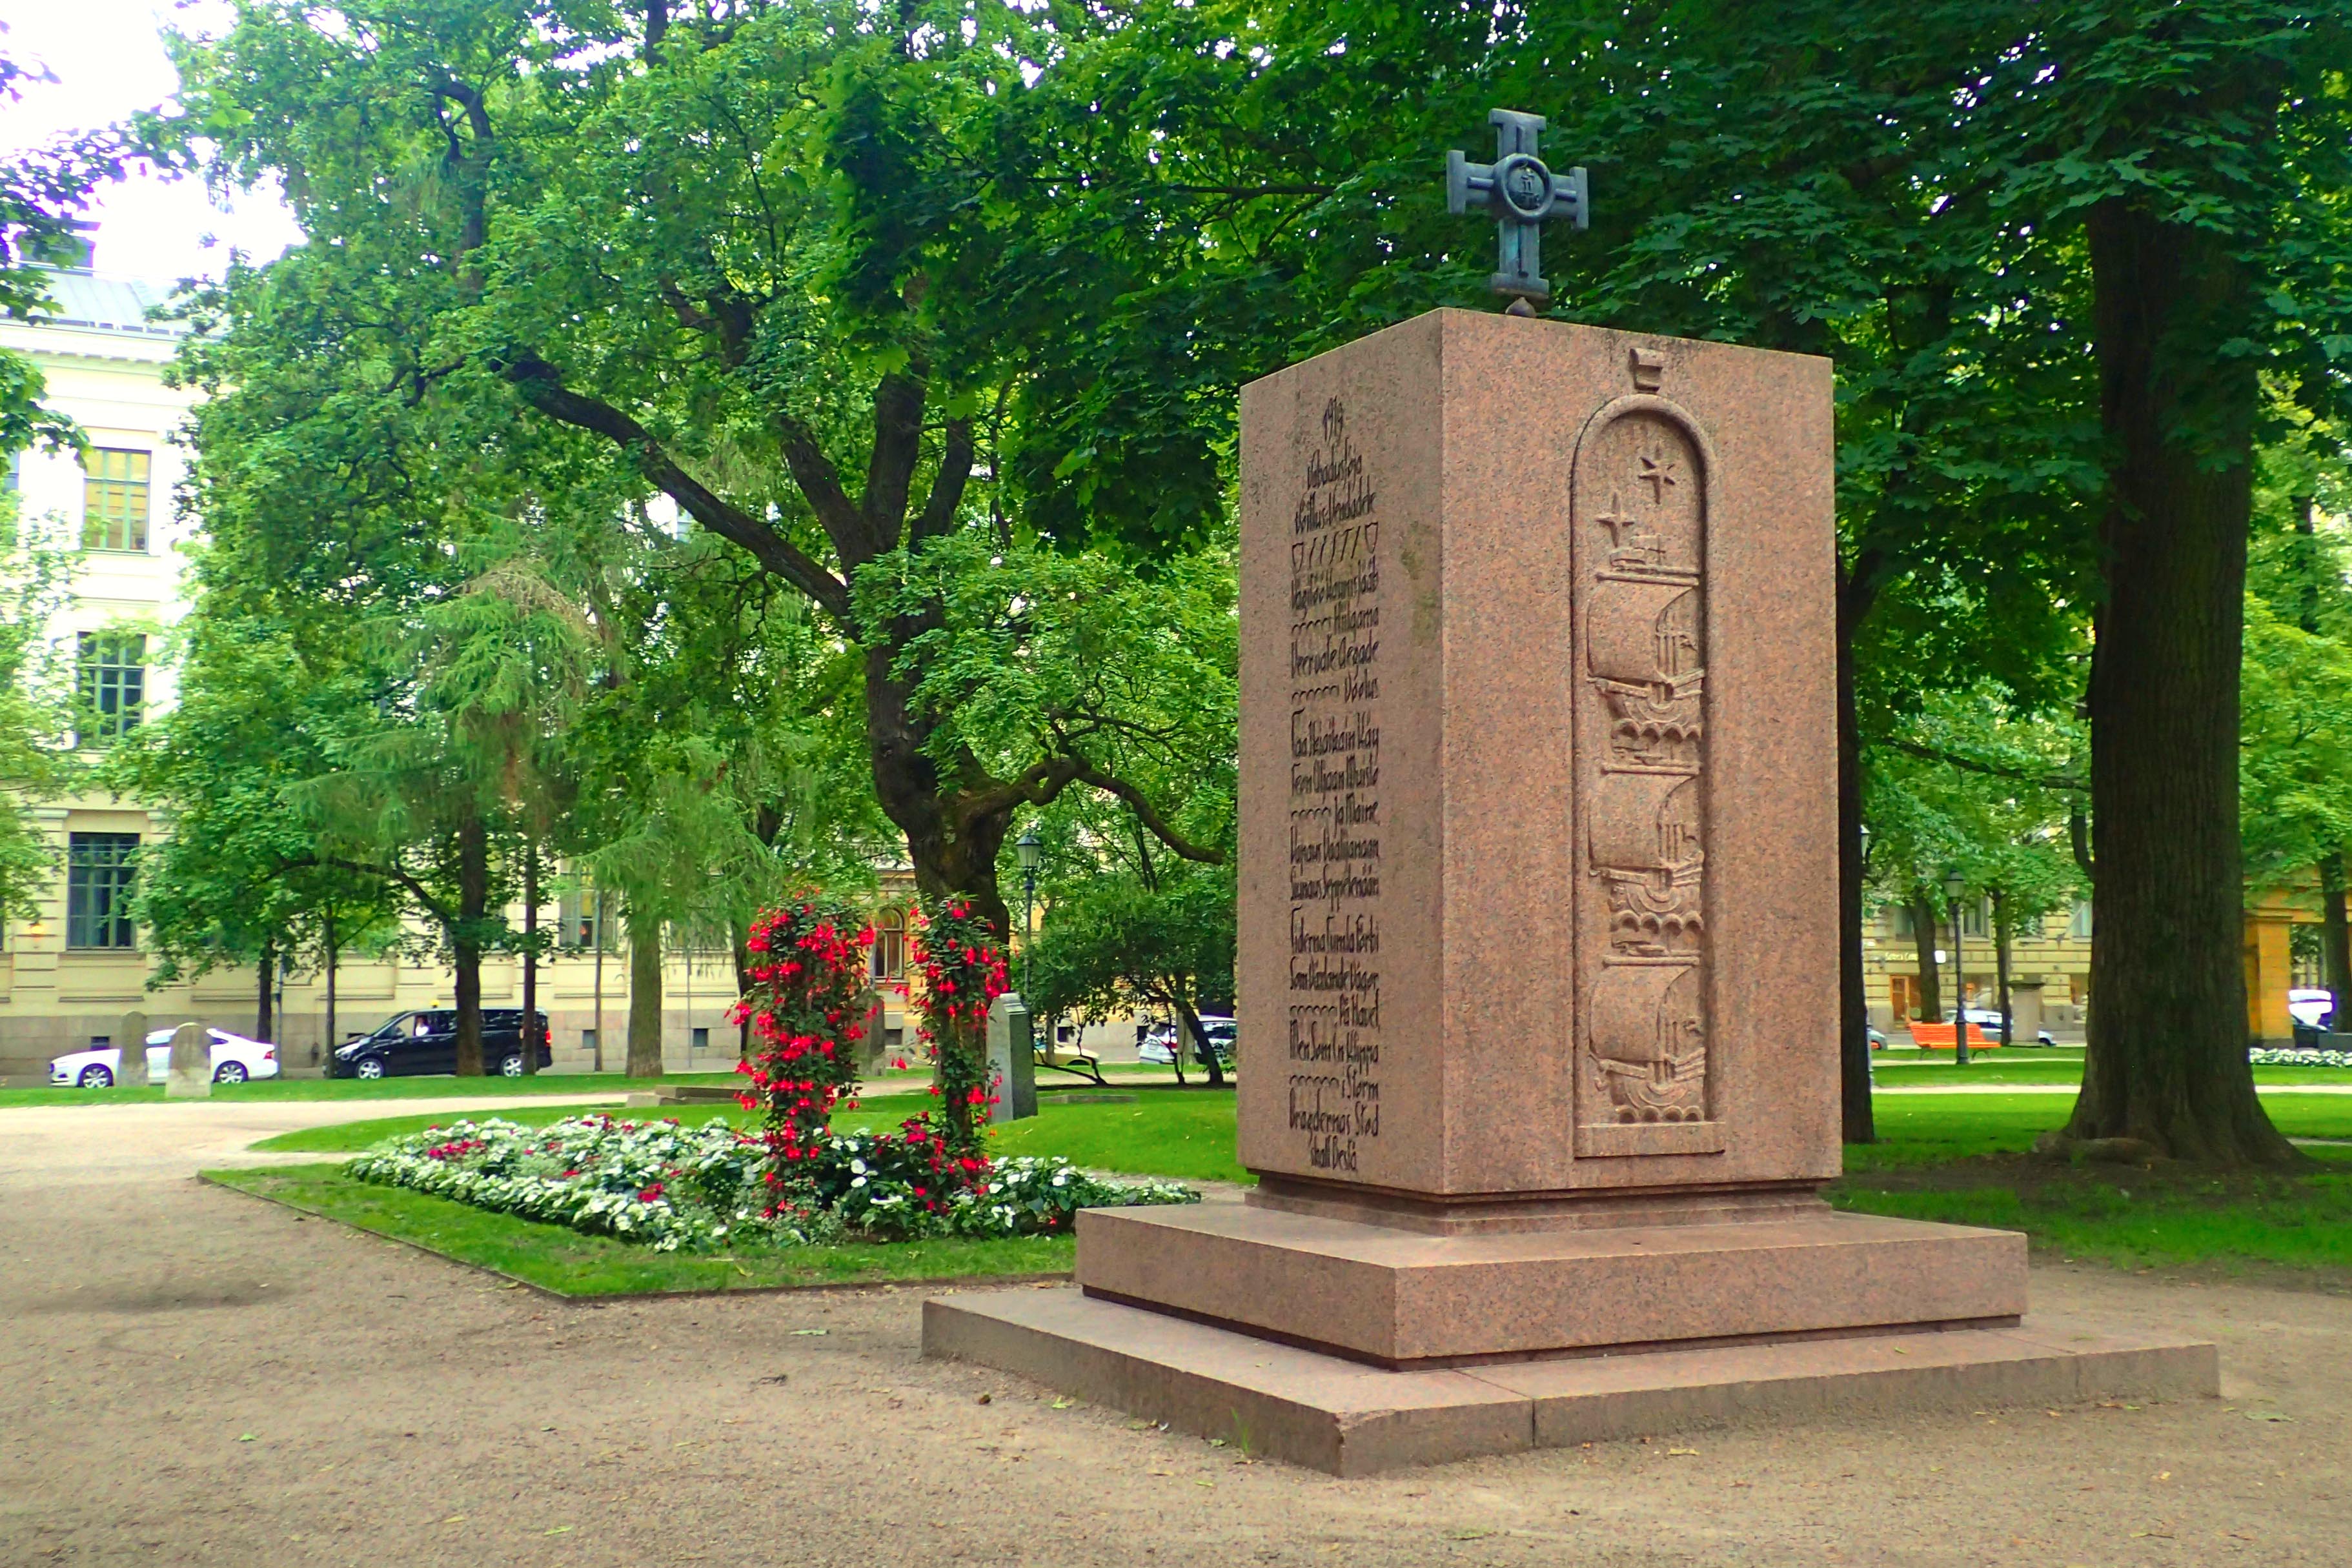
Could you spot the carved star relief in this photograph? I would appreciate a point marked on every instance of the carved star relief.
(1657, 471)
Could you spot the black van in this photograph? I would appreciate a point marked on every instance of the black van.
(426, 1041)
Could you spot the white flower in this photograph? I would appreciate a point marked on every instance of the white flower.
(857, 1181)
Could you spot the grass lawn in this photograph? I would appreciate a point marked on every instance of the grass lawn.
(1960, 1158)
(1186, 1134)
(1906, 1068)
(572, 1264)
(1967, 1161)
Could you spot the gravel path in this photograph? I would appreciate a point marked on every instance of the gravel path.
(195, 1377)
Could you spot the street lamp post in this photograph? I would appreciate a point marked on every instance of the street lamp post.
(1029, 847)
(1953, 885)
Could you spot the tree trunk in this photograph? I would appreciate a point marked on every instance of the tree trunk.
(1202, 1051)
(1859, 1123)
(265, 968)
(335, 962)
(465, 942)
(644, 992)
(2166, 1061)
(2336, 935)
(2000, 963)
(739, 935)
(1922, 936)
(530, 959)
(596, 1063)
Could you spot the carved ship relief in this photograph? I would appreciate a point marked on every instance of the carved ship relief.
(1642, 757)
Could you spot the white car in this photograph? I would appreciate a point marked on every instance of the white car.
(2309, 1007)
(235, 1059)
(1989, 1021)
(1159, 1045)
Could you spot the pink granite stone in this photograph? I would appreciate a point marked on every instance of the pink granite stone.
(1397, 1297)
(1509, 877)
(1350, 1419)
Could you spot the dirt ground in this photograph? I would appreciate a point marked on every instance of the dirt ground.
(190, 1375)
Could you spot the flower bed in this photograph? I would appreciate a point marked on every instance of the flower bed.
(674, 1188)
(2265, 1057)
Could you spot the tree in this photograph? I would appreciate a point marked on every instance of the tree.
(2292, 765)
(42, 195)
(1963, 785)
(1111, 945)
(35, 709)
(664, 233)
(2198, 154)
(239, 877)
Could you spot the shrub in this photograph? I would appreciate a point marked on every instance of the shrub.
(676, 1187)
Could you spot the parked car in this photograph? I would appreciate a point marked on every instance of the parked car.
(234, 1059)
(1159, 1045)
(1989, 1021)
(424, 1042)
(2310, 1008)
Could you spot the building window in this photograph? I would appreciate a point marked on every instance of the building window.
(889, 959)
(110, 677)
(114, 499)
(1898, 921)
(698, 1040)
(2079, 926)
(1976, 919)
(100, 871)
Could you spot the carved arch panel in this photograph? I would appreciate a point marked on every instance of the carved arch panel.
(1644, 1046)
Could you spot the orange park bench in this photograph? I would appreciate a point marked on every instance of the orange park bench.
(1939, 1037)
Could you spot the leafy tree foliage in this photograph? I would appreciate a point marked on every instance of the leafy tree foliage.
(1112, 946)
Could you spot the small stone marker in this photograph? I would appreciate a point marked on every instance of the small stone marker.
(131, 1052)
(1012, 1061)
(192, 1064)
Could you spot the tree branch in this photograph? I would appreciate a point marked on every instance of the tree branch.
(947, 484)
(543, 388)
(2066, 782)
(897, 447)
(1041, 782)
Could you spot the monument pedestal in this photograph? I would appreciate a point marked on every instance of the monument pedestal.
(1342, 1416)
(1538, 960)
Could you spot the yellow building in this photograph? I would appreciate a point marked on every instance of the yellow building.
(2056, 955)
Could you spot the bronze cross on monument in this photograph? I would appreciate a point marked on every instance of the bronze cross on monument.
(1522, 193)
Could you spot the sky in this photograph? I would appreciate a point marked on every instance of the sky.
(108, 57)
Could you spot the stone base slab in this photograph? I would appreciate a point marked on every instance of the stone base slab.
(1351, 1420)
(1409, 1300)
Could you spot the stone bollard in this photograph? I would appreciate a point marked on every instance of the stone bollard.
(1012, 1061)
(131, 1052)
(192, 1064)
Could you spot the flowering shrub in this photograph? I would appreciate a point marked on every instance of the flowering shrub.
(807, 991)
(964, 972)
(676, 1187)
(2270, 1058)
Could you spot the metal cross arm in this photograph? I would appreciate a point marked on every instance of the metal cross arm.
(1522, 193)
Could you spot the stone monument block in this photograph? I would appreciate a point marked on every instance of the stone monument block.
(131, 1051)
(192, 1064)
(1537, 665)
(2024, 1010)
(1539, 939)
(1012, 1061)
